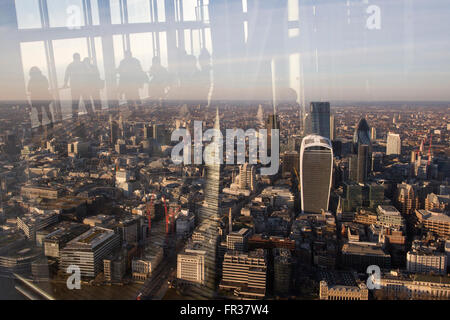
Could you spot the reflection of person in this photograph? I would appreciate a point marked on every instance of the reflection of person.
(131, 78)
(76, 75)
(40, 96)
(93, 84)
(158, 80)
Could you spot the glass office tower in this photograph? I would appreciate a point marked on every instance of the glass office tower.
(316, 166)
(320, 118)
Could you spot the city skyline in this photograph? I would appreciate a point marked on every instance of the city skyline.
(226, 150)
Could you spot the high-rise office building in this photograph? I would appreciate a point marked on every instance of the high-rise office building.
(320, 118)
(353, 167)
(359, 255)
(316, 166)
(245, 273)
(114, 266)
(32, 222)
(290, 162)
(389, 216)
(434, 221)
(405, 199)
(10, 143)
(191, 264)
(373, 133)
(307, 124)
(359, 164)
(332, 128)
(114, 131)
(440, 202)
(247, 177)
(271, 124)
(283, 271)
(423, 259)
(237, 240)
(148, 132)
(356, 195)
(89, 249)
(161, 134)
(377, 161)
(363, 163)
(393, 144)
(122, 128)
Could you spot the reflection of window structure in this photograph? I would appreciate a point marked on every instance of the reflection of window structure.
(104, 29)
(108, 28)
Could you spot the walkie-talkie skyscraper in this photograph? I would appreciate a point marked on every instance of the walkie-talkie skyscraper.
(316, 166)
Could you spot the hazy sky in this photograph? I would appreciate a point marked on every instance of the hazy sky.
(406, 58)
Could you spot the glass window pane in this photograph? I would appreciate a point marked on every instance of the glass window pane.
(293, 10)
(195, 42)
(100, 66)
(65, 13)
(33, 55)
(161, 10)
(189, 9)
(95, 13)
(28, 15)
(115, 12)
(208, 42)
(142, 49)
(118, 47)
(163, 48)
(294, 74)
(64, 50)
(187, 41)
(205, 12)
(138, 11)
(293, 32)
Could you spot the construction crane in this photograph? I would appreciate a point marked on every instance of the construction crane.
(166, 217)
(149, 217)
(171, 220)
(429, 150)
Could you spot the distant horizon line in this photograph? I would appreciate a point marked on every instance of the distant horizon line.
(9, 103)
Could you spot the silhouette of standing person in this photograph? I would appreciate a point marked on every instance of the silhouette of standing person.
(76, 76)
(40, 96)
(93, 84)
(159, 78)
(131, 78)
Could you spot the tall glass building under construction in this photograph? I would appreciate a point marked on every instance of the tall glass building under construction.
(209, 215)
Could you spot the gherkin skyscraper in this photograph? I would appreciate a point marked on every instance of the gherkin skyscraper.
(362, 135)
